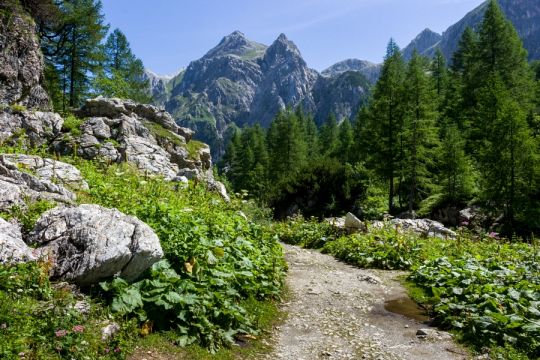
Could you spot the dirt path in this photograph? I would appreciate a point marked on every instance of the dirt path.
(337, 312)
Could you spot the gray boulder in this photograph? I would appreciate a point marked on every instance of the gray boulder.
(352, 223)
(90, 243)
(12, 247)
(38, 126)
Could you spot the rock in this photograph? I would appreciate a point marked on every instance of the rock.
(190, 174)
(109, 331)
(90, 243)
(17, 186)
(47, 169)
(149, 157)
(218, 187)
(39, 127)
(12, 247)
(82, 306)
(433, 334)
(425, 227)
(352, 223)
(21, 61)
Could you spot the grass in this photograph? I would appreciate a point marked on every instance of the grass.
(16, 108)
(160, 132)
(72, 125)
(193, 148)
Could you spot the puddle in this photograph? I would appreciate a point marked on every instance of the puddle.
(408, 308)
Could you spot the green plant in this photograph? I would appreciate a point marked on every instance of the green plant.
(16, 108)
(72, 125)
(28, 215)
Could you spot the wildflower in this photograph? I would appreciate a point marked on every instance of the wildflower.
(21, 354)
(3, 326)
(117, 350)
(106, 350)
(78, 329)
(464, 223)
(493, 235)
(60, 333)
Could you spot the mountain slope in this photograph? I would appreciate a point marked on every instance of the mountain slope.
(524, 14)
(370, 70)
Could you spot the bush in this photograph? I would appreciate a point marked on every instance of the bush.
(72, 125)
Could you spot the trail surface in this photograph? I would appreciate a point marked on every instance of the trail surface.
(337, 311)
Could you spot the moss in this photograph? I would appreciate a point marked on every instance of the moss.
(16, 108)
(193, 148)
(72, 125)
(162, 133)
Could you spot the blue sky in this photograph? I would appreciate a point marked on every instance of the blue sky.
(168, 34)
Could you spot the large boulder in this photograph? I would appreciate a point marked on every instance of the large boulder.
(19, 184)
(12, 247)
(89, 243)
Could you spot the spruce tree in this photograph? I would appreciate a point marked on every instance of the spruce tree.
(122, 73)
(346, 142)
(386, 120)
(420, 131)
(329, 136)
(73, 50)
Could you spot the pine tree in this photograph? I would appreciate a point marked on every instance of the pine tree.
(287, 150)
(346, 142)
(386, 111)
(329, 136)
(439, 73)
(509, 157)
(72, 48)
(456, 170)
(122, 74)
(420, 131)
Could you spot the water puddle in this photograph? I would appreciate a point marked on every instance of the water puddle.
(408, 308)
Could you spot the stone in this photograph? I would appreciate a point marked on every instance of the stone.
(12, 247)
(18, 186)
(39, 127)
(218, 187)
(109, 331)
(90, 243)
(47, 169)
(190, 174)
(352, 223)
(425, 227)
(21, 61)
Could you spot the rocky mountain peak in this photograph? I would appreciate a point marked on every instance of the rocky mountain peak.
(283, 50)
(237, 44)
(424, 43)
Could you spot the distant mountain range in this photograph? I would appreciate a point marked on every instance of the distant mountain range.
(524, 14)
(241, 82)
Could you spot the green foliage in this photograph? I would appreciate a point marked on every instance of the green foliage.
(39, 321)
(492, 301)
(72, 125)
(215, 258)
(122, 74)
(308, 233)
(160, 132)
(16, 108)
(28, 215)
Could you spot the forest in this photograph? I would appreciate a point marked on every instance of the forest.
(432, 137)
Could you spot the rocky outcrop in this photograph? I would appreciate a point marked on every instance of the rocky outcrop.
(90, 243)
(21, 61)
(47, 169)
(20, 183)
(36, 126)
(423, 227)
(12, 247)
(144, 135)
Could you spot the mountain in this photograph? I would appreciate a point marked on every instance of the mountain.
(425, 43)
(524, 14)
(161, 85)
(241, 82)
(370, 70)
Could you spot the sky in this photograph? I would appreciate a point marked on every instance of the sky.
(168, 34)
